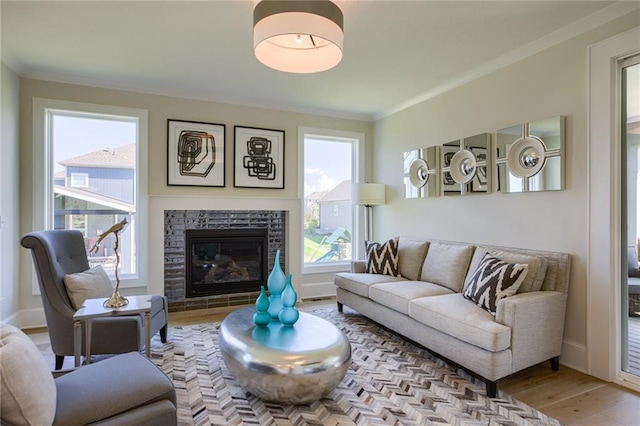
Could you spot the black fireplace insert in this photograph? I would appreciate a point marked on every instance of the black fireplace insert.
(225, 261)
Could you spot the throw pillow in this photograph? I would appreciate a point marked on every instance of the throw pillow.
(27, 388)
(382, 258)
(91, 284)
(493, 280)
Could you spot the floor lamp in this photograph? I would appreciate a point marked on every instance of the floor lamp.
(368, 195)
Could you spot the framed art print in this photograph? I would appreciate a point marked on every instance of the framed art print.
(258, 158)
(195, 153)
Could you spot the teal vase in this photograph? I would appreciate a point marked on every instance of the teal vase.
(276, 283)
(288, 315)
(262, 318)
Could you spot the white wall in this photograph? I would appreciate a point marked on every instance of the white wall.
(553, 82)
(162, 196)
(9, 242)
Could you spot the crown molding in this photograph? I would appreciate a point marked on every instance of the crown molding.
(581, 26)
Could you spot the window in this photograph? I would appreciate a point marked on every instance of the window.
(89, 176)
(79, 180)
(331, 164)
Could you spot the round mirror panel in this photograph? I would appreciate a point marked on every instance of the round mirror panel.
(526, 157)
(463, 166)
(419, 173)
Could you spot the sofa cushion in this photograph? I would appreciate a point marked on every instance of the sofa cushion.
(493, 280)
(535, 276)
(382, 258)
(27, 388)
(91, 284)
(397, 295)
(446, 264)
(411, 256)
(360, 283)
(461, 318)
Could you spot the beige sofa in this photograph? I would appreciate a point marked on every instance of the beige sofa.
(426, 305)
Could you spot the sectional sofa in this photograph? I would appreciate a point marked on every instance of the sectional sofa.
(425, 303)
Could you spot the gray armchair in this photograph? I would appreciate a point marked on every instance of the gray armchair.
(59, 252)
(126, 389)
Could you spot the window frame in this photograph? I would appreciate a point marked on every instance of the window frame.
(43, 204)
(357, 140)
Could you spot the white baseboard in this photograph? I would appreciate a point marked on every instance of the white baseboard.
(574, 355)
(317, 290)
(27, 318)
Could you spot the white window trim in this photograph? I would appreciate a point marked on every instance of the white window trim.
(603, 299)
(43, 165)
(358, 172)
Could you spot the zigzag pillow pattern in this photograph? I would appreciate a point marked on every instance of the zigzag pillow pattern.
(493, 280)
(382, 258)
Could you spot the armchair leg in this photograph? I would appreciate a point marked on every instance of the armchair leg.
(555, 363)
(340, 306)
(59, 361)
(163, 334)
(492, 388)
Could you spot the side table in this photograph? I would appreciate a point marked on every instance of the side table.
(92, 308)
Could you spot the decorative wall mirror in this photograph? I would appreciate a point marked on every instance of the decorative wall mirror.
(421, 170)
(465, 166)
(529, 157)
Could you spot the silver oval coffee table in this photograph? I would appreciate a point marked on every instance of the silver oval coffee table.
(295, 365)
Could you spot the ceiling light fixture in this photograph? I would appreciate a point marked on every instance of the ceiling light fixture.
(298, 36)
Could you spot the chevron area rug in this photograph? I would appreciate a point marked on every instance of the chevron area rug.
(390, 382)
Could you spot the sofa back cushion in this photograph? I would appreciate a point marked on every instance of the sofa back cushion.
(411, 256)
(537, 267)
(446, 264)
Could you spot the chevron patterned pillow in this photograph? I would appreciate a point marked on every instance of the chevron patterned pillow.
(493, 280)
(382, 258)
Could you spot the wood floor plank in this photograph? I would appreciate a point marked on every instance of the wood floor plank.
(548, 388)
(613, 404)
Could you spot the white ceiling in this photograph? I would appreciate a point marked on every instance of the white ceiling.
(396, 53)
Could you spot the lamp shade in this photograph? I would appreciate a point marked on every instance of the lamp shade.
(368, 194)
(298, 36)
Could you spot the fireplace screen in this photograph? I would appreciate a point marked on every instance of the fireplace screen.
(225, 261)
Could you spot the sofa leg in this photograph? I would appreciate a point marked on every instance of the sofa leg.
(340, 306)
(163, 334)
(555, 363)
(59, 361)
(492, 388)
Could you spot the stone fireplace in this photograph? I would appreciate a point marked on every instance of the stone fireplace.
(206, 262)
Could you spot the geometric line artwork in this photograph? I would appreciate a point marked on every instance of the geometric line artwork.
(390, 382)
(259, 163)
(193, 149)
(258, 158)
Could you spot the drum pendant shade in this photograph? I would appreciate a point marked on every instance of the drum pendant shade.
(298, 36)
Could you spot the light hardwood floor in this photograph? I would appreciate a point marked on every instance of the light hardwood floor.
(567, 395)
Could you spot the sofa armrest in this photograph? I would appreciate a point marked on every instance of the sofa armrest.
(536, 320)
(358, 266)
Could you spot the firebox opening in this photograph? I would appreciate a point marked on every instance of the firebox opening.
(225, 261)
